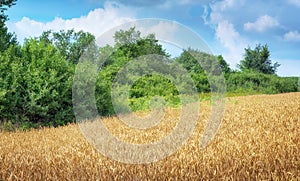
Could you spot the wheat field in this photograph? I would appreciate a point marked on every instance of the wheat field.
(259, 139)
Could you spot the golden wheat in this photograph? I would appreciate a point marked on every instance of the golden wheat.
(258, 139)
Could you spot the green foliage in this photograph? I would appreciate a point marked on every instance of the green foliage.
(146, 103)
(189, 62)
(103, 90)
(253, 82)
(36, 85)
(70, 44)
(258, 60)
(202, 67)
(6, 38)
(7, 126)
(127, 37)
(83, 90)
(223, 65)
(129, 45)
(151, 85)
(4, 5)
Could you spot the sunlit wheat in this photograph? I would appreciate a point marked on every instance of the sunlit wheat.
(259, 139)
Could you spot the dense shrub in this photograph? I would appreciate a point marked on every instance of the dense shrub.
(35, 85)
(250, 81)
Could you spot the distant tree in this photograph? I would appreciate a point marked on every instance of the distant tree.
(223, 64)
(132, 44)
(4, 5)
(200, 65)
(130, 36)
(195, 61)
(6, 38)
(258, 60)
(69, 43)
(189, 62)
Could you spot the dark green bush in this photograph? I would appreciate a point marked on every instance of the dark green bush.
(249, 81)
(36, 85)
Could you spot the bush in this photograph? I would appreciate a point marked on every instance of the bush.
(36, 85)
(260, 83)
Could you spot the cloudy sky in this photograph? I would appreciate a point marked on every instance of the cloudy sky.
(227, 26)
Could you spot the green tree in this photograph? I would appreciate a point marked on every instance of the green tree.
(36, 85)
(200, 65)
(189, 62)
(258, 60)
(132, 44)
(9, 68)
(129, 44)
(70, 44)
(223, 65)
(125, 37)
(6, 38)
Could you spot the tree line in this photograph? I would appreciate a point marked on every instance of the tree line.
(37, 77)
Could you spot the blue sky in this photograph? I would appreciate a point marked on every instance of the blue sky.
(227, 26)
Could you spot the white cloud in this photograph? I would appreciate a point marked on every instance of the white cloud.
(232, 41)
(226, 4)
(184, 2)
(292, 36)
(261, 24)
(218, 8)
(294, 2)
(96, 22)
(164, 29)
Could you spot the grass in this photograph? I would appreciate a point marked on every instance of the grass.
(258, 140)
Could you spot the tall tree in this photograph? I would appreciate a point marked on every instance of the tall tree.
(4, 5)
(223, 65)
(258, 60)
(123, 37)
(189, 62)
(69, 43)
(36, 84)
(6, 38)
(133, 45)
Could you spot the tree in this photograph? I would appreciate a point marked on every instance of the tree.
(4, 4)
(258, 60)
(132, 44)
(189, 62)
(124, 37)
(69, 43)
(223, 64)
(36, 85)
(6, 38)
(129, 44)
(201, 65)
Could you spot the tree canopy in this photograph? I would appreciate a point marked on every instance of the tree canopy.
(6, 38)
(258, 59)
(69, 43)
(4, 5)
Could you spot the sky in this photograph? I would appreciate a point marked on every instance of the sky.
(226, 26)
